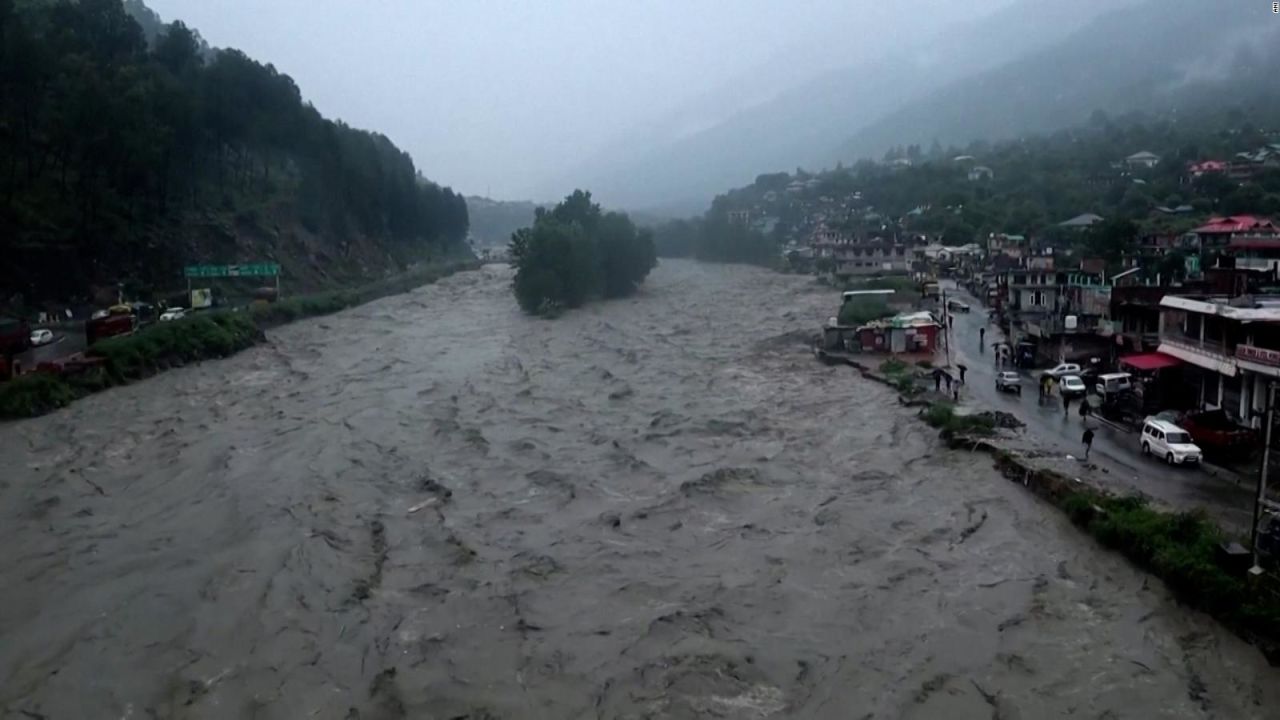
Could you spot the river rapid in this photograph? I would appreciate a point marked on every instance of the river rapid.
(432, 506)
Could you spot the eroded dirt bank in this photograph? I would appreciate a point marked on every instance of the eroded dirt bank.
(431, 506)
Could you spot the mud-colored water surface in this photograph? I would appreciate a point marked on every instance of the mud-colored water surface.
(434, 507)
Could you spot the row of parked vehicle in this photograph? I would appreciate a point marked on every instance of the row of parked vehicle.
(1161, 435)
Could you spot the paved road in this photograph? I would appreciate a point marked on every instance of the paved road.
(66, 342)
(1115, 449)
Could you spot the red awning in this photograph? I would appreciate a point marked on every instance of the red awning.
(1150, 361)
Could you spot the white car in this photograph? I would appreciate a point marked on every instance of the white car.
(1063, 369)
(41, 336)
(172, 314)
(1071, 386)
(1166, 440)
(1009, 382)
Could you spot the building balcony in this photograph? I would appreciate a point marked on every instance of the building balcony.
(1263, 361)
(1207, 354)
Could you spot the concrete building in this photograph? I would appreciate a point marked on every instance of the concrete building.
(1234, 344)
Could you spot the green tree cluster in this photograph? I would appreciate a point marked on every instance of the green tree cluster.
(574, 252)
(110, 136)
(714, 238)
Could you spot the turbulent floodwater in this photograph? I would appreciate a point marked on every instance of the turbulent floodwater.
(434, 507)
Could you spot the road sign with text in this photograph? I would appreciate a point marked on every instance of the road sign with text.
(245, 270)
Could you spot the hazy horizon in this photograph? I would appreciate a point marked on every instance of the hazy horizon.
(501, 99)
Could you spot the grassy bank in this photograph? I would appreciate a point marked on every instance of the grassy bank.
(1180, 548)
(198, 337)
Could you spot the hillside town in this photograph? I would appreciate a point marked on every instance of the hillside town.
(1174, 318)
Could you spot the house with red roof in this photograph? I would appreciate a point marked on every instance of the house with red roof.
(1207, 167)
(1218, 232)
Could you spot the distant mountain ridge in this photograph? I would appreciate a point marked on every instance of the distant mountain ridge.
(806, 124)
(1188, 54)
(1033, 67)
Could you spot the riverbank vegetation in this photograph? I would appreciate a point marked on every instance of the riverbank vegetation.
(575, 252)
(863, 310)
(1183, 549)
(203, 336)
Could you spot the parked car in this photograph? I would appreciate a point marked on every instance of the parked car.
(957, 306)
(1164, 439)
(41, 336)
(1113, 384)
(1218, 434)
(1009, 382)
(1062, 369)
(172, 314)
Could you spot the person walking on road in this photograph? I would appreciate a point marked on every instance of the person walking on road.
(1085, 411)
(955, 394)
(982, 337)
(1066, 406)
(937, 380)
(1087, 439)
(962, 368)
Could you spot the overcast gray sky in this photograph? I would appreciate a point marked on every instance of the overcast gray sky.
(496, 96)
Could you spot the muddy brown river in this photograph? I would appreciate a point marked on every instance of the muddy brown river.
(432, 506)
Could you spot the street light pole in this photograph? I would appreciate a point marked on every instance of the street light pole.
(1262, 479)
(946, 323)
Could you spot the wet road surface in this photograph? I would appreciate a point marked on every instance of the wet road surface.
(1115, 448)
(662, 507)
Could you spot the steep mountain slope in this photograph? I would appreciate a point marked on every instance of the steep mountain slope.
(127, 152)
(1160, 56)
(805, 125)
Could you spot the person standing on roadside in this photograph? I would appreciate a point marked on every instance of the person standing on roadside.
(1087, 439)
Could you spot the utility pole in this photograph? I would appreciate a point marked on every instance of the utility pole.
(946, 323)
(1262, 479)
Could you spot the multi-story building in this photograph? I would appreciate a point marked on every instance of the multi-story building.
(852, 254)
(1233, 344)
(1065, 313)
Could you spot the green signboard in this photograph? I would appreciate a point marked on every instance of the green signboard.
(222, 271)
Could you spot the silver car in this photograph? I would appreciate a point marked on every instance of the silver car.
(1009, 382)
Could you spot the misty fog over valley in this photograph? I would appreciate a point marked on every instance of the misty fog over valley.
(639, 360)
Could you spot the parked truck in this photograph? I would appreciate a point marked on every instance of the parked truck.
(15, 336)
(109, 325)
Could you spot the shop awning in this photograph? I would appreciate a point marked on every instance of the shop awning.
(1150, 361)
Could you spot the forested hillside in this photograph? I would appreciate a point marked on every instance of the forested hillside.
(1029, 187)
(124, 158)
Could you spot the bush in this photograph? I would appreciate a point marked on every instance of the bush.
(197, 337)
(893, 366)
(34, 394)
(943, 417)
(861, 311)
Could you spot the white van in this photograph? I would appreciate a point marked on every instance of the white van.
(1166, 440)
(1113, 383)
